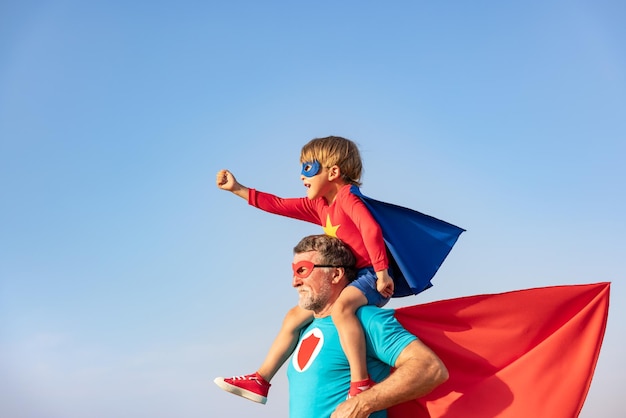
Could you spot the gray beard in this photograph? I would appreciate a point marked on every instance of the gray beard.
(318, 302)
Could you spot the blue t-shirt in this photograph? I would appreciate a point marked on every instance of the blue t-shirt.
(319, 373)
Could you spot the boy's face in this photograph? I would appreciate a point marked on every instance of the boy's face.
(318, 184)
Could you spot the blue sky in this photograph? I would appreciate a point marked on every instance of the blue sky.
(128, 281)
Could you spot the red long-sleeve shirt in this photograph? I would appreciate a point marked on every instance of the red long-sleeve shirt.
(347, 218)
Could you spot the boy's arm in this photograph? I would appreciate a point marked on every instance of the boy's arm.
(372, 236)
(297, 208)
(418, 372)
(370, 230)
(384, 283)
(226, 181)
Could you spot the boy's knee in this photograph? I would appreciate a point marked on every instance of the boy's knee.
(296, 318)
(293, 312)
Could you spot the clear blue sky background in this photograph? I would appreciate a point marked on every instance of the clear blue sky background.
(128, 281)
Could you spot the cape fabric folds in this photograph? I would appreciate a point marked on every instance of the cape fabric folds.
(526, 353)
(417, 243)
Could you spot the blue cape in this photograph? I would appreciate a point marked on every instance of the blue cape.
(417, 244)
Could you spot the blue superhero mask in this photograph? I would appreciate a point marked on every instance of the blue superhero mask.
(310, 168)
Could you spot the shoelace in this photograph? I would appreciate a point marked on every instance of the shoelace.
(245, 377)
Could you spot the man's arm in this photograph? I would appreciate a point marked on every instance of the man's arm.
(418, 372)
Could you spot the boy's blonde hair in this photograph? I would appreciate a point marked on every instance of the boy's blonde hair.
(335, 150)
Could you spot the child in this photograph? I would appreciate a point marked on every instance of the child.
(330, 167)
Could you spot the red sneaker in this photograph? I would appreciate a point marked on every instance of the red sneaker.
(250, 386)
(358, 387)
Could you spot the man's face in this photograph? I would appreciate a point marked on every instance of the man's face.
(315, 290)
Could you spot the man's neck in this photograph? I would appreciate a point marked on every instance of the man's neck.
(324, 312)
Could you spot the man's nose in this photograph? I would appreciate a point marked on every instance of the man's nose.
(296, 281)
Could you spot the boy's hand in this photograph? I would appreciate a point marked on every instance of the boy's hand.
(225, 180)
(384, 283)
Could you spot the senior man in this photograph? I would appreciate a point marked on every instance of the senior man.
(319, 373)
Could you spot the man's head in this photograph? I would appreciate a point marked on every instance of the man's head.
(333, 151)
(323, 266)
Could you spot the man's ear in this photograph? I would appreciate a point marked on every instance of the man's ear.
(339, 274)
(334, 172)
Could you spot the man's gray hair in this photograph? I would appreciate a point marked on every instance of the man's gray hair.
(332, 252)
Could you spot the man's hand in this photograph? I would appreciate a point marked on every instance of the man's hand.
(350, 408)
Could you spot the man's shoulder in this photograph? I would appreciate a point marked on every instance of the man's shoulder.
(385, 336)
(369, 312)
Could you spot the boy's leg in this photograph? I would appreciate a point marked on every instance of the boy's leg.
(351, 332)
(285, 342)
(256, 386)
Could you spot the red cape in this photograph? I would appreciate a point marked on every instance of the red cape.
(526, 353)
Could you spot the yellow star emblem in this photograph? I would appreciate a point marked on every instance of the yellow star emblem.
(330, 229)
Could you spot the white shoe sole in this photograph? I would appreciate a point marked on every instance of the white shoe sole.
(219, 381)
